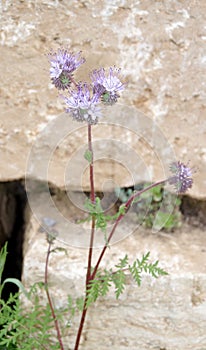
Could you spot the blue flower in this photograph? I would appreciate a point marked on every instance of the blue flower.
(182, 178)
(63, 64)
(83, 105)
(108, 85)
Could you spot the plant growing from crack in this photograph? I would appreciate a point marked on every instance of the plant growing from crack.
(167, 217)
(83, 104)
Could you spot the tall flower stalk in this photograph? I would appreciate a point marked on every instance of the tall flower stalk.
(89, 263)
(83, 104)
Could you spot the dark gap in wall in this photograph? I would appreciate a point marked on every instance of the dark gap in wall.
(13, 201)
(194, 211)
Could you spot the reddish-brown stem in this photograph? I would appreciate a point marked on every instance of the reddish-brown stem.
(73, 81)
(91, 165)
(92, 197)
(106, 245)
(49, 298)
(137, 194)
(90, 276)
(126, 207)
(89, 263)
(81, 325)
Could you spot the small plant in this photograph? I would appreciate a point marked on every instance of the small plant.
(149, 208)
(33, 328)
(30, 324)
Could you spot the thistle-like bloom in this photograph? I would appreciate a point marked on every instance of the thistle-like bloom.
(182, 178)
(107, 86)
(63, 64)
(83, 105)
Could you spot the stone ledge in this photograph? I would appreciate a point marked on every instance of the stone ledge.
(167, 313)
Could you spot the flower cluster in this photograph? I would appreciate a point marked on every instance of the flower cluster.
(83, 105)
(107, 86)
(63, 64)
(83, 102)
(182, 178)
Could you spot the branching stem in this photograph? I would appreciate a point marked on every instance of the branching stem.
(126, 206)
(49, 297)
(91, 275)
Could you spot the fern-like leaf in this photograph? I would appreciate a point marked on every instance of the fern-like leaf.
(119, 281)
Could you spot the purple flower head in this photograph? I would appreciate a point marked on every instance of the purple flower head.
(63, 64)
(182, 178)
(108, 85)
(83, 105)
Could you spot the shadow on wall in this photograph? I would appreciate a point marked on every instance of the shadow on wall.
(12, 226)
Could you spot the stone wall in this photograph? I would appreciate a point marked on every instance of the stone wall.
(160, 46)
(167, 313)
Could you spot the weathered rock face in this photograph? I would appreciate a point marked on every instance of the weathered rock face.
(160, 47)
(167, 313)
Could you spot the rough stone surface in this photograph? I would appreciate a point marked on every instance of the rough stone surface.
(160, 46)
(168, 313)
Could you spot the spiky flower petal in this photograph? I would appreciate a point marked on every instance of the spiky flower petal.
(83, 105)
(182, 178)
(107, 85)
(63, 64)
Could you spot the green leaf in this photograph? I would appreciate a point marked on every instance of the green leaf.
(122, 262)
(167, 221)
(88, 155)
(135, 272)
(17, 283)
(10, 347)
(119, 280)
(59, 249)
(80, 303)
(3, 255)
(157, 194)
(142, 265)
(93, 291)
